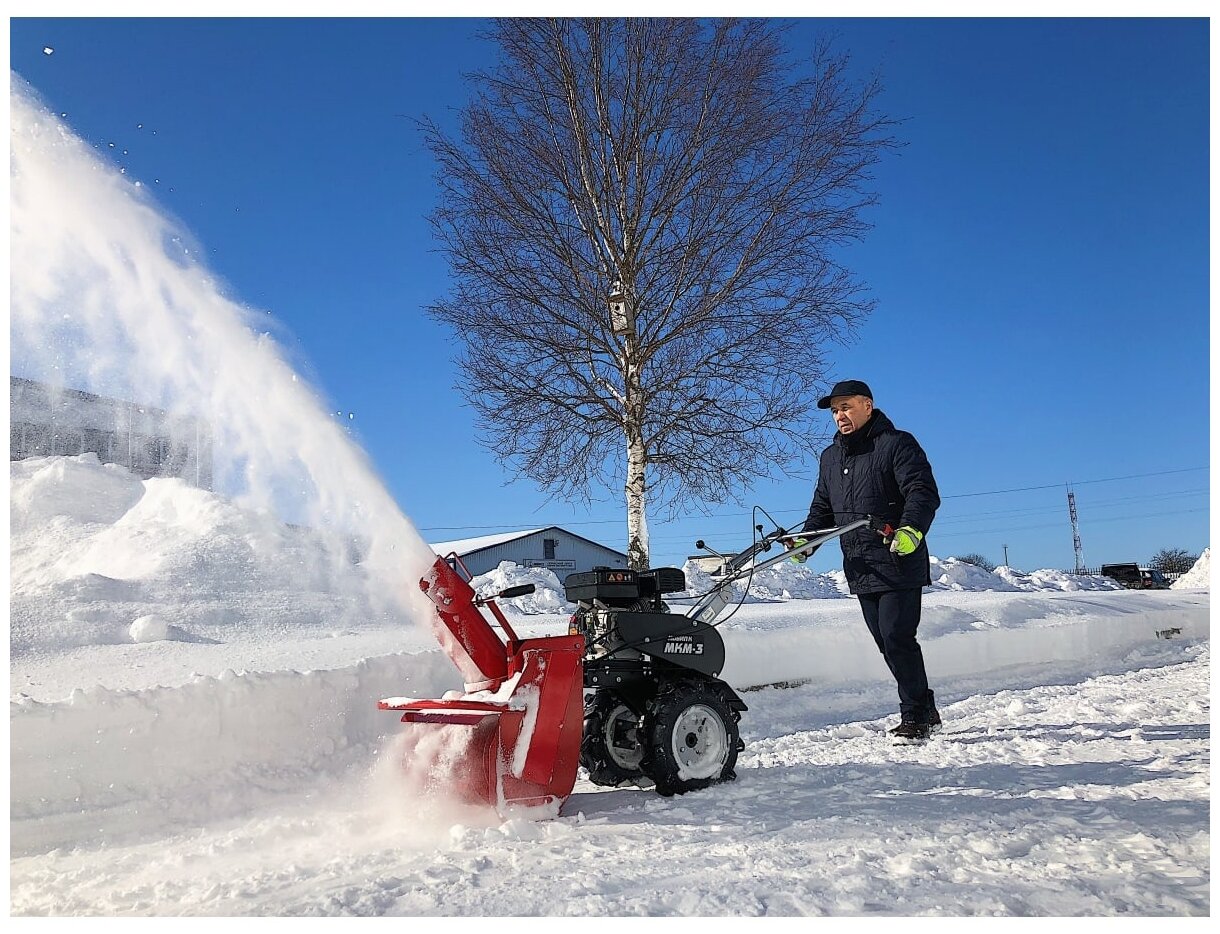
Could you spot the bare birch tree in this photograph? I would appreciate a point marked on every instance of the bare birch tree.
(688, 164)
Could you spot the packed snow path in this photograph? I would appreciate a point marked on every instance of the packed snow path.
(1084, 797)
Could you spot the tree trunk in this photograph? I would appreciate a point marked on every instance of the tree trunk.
(637, 522)
(637, 459)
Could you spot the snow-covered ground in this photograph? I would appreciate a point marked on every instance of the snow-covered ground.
(193, 731)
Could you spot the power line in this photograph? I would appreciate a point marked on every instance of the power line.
(1026, 512)
(728, 515)
(1058, 525)
(1055, 486)
(512, 527)
(1040, 510)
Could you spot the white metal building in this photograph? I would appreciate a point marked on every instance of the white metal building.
(46, 420)
(558, 549)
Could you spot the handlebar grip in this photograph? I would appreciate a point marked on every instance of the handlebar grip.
(519, 591)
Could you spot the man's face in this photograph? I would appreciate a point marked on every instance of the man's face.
(851, 412)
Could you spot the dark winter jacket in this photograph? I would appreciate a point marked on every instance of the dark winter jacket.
(882, 472)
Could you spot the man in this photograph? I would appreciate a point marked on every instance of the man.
(873, 469)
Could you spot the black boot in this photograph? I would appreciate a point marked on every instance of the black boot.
(910, 731)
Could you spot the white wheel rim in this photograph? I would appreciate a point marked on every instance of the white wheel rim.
(699, 742)
(627, 759)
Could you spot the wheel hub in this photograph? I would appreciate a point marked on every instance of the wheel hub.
(622, 738)
(700, 742)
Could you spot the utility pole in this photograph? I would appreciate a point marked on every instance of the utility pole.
(1005, 547)
(1075, 530)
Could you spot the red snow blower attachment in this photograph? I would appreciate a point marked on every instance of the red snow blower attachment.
(513, 740)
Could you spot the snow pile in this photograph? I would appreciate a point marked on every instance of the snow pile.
(149, 629)
(784, 581)
(1199, 576)
(788, 581)
(697, 580)
(44, 489)
(1049, 580)
(548, 591)
(99, 556)
(952, 574)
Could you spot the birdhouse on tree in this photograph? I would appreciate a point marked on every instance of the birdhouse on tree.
(622, 321)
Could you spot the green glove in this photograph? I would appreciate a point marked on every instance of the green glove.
(906, 540)
(799, 559)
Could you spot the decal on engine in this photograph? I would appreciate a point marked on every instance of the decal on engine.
(683, 645)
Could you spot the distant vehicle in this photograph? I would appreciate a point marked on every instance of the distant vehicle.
(1134, 577)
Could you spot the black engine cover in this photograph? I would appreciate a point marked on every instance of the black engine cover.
(606, 584)
(673, 638)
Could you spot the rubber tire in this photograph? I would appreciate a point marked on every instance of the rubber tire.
(670, 709)
(605, 767)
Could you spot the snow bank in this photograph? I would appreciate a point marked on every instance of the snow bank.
(952, 574)
(94, 548)
(784, 581)
(1199, 576)
(548, 590)
(789, 581)
(107, 763)
(80, 488)
(961, 633)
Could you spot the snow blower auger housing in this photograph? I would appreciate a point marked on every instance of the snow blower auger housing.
(513, 740)
(632, 692)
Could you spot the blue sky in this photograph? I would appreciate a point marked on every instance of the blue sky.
(1039, 257)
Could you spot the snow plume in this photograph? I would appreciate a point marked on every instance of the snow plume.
(108, 295)
(416, 781)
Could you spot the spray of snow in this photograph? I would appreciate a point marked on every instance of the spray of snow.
(108, 295)
(419, 775)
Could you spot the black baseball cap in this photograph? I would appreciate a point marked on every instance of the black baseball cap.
(845, 387)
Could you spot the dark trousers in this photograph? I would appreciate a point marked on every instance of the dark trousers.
(893, 617)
